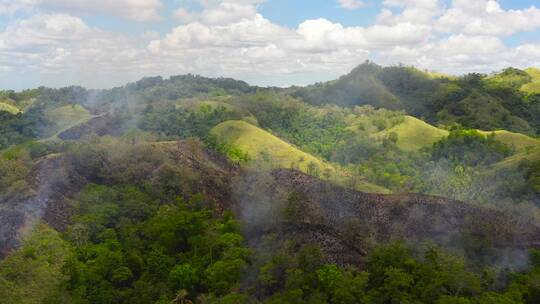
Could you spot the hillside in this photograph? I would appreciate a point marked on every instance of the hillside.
(66, 117)
(531, 154)
(533, 87)
(475, 100)
(361, 86)
(9, 108)
(517, 141)
(414, 134)
(193, 189)
(263, 146)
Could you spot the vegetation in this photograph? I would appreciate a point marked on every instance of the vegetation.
(414, 134)
(33, 274)
(473, 101)
(471, 148)
(8, 108)
(65, 117)
(175, 252)
(151, 213)
(16, 129)
(532, 87)
(273, 152)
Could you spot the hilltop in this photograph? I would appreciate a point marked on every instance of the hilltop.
(504, 100)
(264, 147)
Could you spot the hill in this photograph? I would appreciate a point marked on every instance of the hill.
(9, 108)
(414, 134)
(473, 101)
(361, 86)
(519, 142)
(531, 154)
(65, 117)
(263, 146)
(533, 87)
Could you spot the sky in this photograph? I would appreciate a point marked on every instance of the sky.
(107, 43)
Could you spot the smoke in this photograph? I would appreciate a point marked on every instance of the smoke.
(19, 213)
(502, 189)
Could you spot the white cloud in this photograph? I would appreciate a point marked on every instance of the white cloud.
(138, 10)
(59, 43)
(351, 4)
(11, 6)
(232, 38)
(185, 16)
(486, 17)
(413, 11)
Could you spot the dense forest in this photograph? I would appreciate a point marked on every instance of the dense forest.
(387, 185)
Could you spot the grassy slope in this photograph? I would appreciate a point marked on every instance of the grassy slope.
(66, 117)
(438, 75)
(519, 142)
(531, 154)
(9, 108)
(533, 86)
(414, 134)
(257, 142)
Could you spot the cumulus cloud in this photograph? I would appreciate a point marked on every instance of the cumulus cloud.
(11, 6)
(232, 38)
(351, 4)
(138, 10)
(60, 43)
(486, 17)
(413, 11)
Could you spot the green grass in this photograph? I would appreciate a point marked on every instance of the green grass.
(197, 104)
(532, 87)
(263, 146)
(9, 108)
(531, 154)
(414, 134)
(438, 75)
(66, 117)
(518, 141)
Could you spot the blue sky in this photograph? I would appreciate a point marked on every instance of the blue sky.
(104, 43)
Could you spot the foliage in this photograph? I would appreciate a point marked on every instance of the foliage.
(471, 148)
(21, 127)
(131, 248)
(142, 230)
(171, 122)
(13, 173)
(531, 172)
(473, 101)
(33, 273)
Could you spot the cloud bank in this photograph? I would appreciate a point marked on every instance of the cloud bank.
(232, 38)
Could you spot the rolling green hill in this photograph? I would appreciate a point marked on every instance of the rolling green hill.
(361, 86)
(533, 87)
(518, 141)
(474, 100)
(9, 108)
(414, 134)
(531, 154)
(262, 145)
